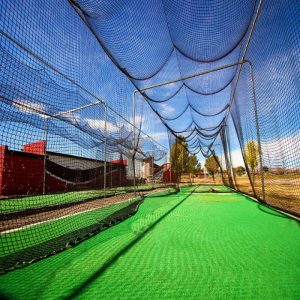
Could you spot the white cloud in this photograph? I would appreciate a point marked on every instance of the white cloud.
(278, 152)
(100, 125)
(72, 117)
(138, 119)
(282, 151)
(169, 90)
(159, 136)
(237, 158)
(164, 91)
(150, 92)
(166, 109)
(30, 107)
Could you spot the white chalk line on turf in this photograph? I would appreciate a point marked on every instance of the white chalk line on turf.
(62, 217)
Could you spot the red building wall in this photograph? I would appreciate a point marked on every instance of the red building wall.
(2, 160)
(35, 148)
(22, 173)
(169, 176)
(120, 162)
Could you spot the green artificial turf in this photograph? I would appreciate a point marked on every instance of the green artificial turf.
(18, 240)
(37, 234)
(19, 204)
(206, 189)
(199, 246)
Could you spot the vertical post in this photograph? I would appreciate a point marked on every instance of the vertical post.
(120, 172)
(170, 169)
(262, 174)
(233, 179)
(105, 138)
(244, 159)
(45, 153)
(181, 167)
(111, 173)
(152, 161)
(170, 157)
(221, 160)
(134, 144)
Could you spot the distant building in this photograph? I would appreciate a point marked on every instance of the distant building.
(23, 172)
(29, 172)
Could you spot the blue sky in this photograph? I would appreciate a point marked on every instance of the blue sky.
(145, 45)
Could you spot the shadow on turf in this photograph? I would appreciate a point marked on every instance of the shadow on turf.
(272, 211)
(114, 258)
(5, 297)
(267, 209)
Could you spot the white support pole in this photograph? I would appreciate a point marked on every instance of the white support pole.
(134, 143)
(152, 161)
(229, 153)
(105, 148)
(262, 173)
(45, 154)
(181, 79)
(189, 76)
(170, 170)
(69, 111)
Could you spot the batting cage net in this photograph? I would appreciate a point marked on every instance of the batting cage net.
(103, 103)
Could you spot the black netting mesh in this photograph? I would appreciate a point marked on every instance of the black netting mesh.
(76, 153)
(103, 102)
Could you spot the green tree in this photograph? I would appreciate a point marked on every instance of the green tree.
(240, 170)
(251, 156)
(179, 156)
(192, 165)
(212, 166)
(198, 167)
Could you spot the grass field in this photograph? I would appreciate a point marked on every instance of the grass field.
(200, 246)
(23, 203)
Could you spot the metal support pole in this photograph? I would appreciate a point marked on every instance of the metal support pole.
(45, 154)
(111, 175)
(134, 144)
(181, 168)
(219, 162)
(233, 179)
(105, 141)
(262, 173)
(244, 159)
(189, 76)
(170, 169)
(69, 111)
(152, 161)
